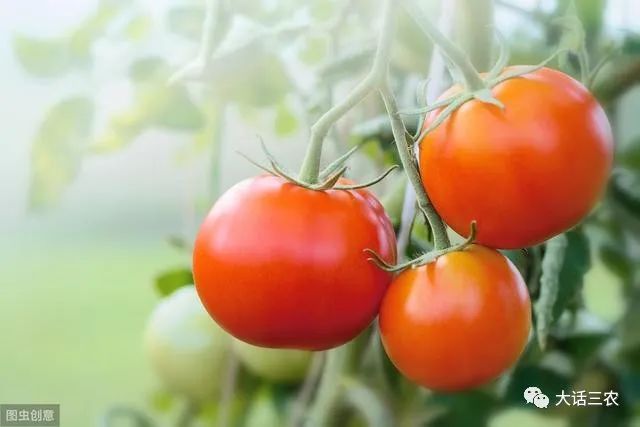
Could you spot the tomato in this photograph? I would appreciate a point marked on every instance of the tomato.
(185, 347)
(279, 265)
(456, 322)
(525, 173)
(273, 364)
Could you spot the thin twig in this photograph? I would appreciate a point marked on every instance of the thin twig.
(200, 64)
(306, 390)
(228, 390)
(436, 79)
(311, 163)
(440, 237)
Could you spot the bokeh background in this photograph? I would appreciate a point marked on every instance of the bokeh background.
(106, 169)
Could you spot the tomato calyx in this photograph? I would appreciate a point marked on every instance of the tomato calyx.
(483, 94)
(425, 258)
(328, 178)
(474, 85)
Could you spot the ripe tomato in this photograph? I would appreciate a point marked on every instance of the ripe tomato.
(458, 321)
(185, 347)
(278, 265)
(273, 364)
(525, 173)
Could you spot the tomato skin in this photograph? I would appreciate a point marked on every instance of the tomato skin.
(457, 322)
(525, 173)
(278, 265)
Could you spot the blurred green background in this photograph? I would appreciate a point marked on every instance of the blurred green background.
(105, 168)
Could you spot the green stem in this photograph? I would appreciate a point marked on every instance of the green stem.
(457, 56)
(217, 115)
(339, 362)
(329, 388)
(440, 237)
(474, 31)
(373, 409)
(311, 164)
(229, 383)
(306, 390)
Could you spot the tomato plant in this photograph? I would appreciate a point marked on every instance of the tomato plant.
(185, 347)
(279, 265)
(457, 322)
(511, 157)
(524, 172)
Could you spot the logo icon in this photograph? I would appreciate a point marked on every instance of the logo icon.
(534, 395)
(541, 401)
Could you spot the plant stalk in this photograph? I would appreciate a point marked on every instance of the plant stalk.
(311, 164)
(474, 31)
(440, 237)
(472, 80)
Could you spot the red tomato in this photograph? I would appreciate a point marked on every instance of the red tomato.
(456, 322)
(278, 265)
(525, 173)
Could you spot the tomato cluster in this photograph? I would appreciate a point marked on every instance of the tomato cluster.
(280, 265)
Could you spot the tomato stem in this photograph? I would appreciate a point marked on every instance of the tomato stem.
(405, 150)
(339, 362)
(472, 80)
(307, 388)
(310, 169)
(423, 259)
(474, 29)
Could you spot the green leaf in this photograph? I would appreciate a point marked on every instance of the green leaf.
(581, 347)
(466, 409)
(40, 57)
(625, 190)
(550, 382)
(629, 156)
(57, 150)
(565, 262)
(577, 261)
(169, 281)
(552, 263)
(616, 259)
(122, 128)
(286, 122)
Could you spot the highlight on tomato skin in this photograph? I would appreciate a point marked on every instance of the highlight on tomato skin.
(458, 322)
(526, 172)
(278, 265)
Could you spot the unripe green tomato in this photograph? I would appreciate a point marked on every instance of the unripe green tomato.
(277, 365)
(186, 348)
